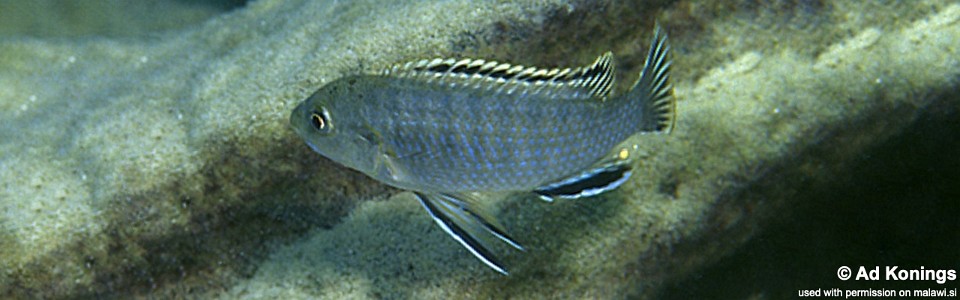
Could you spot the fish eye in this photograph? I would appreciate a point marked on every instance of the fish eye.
(320, 121)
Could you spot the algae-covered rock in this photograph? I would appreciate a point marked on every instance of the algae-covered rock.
(162, 165)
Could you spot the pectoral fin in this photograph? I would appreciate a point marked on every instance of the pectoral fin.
(465, 221)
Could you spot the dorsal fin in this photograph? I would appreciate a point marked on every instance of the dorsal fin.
(599, 76)
(596, 80)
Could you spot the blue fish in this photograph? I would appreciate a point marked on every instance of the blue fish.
(450, 129)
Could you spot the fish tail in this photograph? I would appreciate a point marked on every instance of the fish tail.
(653, 89)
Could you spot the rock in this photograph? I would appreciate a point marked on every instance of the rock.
(163, 165)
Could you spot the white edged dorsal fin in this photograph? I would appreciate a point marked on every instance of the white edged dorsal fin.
(599, 77)
(595, 80)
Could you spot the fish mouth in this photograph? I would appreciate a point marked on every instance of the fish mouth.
(315, 148)
(297, 118)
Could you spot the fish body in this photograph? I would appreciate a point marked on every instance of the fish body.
(447, 129)
(448, 138)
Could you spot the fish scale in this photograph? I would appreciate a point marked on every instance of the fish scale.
(438, 107)
(452, 130)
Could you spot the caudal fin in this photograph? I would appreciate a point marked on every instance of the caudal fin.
(654, 89)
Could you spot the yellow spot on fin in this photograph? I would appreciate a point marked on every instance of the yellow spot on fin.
(623, 154)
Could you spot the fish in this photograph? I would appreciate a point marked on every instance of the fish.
(452, 130)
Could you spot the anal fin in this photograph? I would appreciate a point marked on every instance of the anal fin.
(463, 219)
(592, 182)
